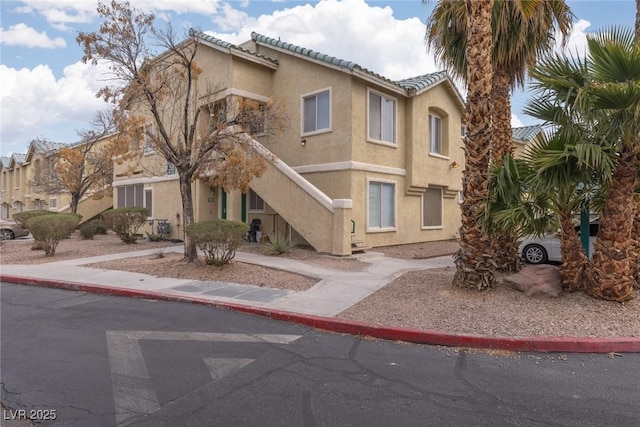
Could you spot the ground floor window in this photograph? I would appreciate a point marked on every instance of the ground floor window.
(6, 210)
(256, 204)
(130, 196)
(381, 205)
(432, 208)
(53, 203)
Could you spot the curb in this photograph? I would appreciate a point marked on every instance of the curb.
(419, 336)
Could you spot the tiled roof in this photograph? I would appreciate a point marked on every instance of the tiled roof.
(303, 51)
(424, 81)
(226, 45)
(413, 84)
(19, 157)
(46, 146)
(5, 161)
(525, 133)
(410, 84)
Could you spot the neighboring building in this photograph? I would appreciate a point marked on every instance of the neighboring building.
(364, 158)
(522, 136)
(17, 192)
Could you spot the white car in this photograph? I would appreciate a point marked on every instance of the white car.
(539, 250)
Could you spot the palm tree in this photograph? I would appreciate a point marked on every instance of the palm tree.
(600, 101)
(475, 268)
(544, 189)
(614, 90)
(522, 30)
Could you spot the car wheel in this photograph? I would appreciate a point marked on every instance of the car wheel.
(534, 254)
(7, 234)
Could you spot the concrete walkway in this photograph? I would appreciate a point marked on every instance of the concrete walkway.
(317, 307)
(335, 291)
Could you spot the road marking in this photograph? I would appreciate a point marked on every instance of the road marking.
(133, 392)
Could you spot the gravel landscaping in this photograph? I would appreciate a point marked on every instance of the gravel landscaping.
(418, 299)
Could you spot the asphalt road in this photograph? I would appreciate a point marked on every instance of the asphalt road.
(90, 360)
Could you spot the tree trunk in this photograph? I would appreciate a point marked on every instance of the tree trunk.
(611, 273)
(635, 254)
(190, 250)
(75, 201)
(637, 28)
(504, 246)
(474, 263)
(574, 259)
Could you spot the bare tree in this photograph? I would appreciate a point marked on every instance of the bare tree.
(166, 101)
(84, 168)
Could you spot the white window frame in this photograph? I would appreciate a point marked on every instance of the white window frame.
(382, 229)
(433, 149)
(53, 203)
(433, 227)
(302, 112)
(395, 119)
(250, 195)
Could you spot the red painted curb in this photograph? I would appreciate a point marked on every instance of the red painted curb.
(419, 336)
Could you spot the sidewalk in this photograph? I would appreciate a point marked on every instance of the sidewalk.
(335, 292)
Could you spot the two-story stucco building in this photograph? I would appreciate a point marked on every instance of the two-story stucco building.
(363, 159)
(18, 192)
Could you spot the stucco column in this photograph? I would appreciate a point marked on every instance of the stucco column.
(342, 226)
(234, 206)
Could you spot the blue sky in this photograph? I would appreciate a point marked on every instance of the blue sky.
(46, 92)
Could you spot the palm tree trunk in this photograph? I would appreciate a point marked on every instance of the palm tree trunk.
(474, 263)
(612, 261)
(635, 254)
(574, 260)
(505, 245)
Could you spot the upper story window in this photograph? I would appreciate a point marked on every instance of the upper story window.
(16, 177)
(435, 134)
(256, 204)
(316, 112)
(382, 118)
(171, 169)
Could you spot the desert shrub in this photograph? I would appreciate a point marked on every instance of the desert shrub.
(87, 231)
(126, 222)
(218, 239)
(153, 237)
(278, 245)
(51, 229)
(99, 226)
(21, 218)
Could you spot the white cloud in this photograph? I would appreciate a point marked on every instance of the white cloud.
(59, 13)
(515, 121)
(25, 36)
(577, 43)
(35, 103)
(350, 29)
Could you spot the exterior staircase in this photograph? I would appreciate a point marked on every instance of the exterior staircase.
(323, 222)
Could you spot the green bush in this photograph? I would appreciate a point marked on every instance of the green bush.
(21, 218)
(87, 231)
(278, 245)
(218, 239)
(51, 229)
(126, 222)
(99, 226)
